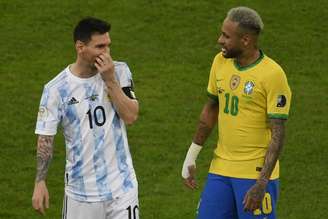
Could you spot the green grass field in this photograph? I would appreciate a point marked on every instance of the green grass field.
(169, 46)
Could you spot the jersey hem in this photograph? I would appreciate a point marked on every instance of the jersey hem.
(245, 169)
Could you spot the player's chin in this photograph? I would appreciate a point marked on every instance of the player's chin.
(226, 54)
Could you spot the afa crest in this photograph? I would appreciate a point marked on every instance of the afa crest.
(248, 89)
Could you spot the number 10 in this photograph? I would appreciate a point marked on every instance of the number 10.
(98, 121)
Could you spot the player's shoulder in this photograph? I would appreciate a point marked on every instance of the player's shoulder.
(122, 69)
(120, 64)
(219, 57)
(220, 60)
(272, 67)
(58, 80)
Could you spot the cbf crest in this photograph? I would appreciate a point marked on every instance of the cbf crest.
(249, 86)
(234, 81)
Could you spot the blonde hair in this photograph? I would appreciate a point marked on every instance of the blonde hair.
(248, 19)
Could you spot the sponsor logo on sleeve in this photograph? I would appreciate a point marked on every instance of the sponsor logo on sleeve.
(43, 113)
(281, 101)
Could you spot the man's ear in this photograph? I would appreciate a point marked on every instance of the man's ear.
(246, 40)
(79, 46)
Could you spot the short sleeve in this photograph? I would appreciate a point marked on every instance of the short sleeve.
(49, 114)
(123, 74)
(212, 87)
(278, 95)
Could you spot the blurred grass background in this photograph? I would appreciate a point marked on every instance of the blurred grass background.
(169, 46)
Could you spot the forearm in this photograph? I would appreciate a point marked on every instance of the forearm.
(207, 121)
(274, 150)
(44, 156)
(127, 108)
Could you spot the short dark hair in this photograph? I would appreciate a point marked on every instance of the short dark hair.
(89, 26)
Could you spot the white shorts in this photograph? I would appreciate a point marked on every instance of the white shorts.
(125, 207)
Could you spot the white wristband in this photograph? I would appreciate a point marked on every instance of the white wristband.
(190, 159)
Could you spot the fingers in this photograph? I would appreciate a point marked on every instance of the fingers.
(105, 64)
(38, 205)
(190, 182)
(250, 204)
(47, 200)
(104, 58)
(40, 199)
(97, 65)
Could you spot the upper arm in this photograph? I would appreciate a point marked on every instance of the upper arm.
(212, 85)
(277, 131)
(49, 114)
(125, 80)
(212, 104)
(277, 122)
(210, 111)
(278, 96)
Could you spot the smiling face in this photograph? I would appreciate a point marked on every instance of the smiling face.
(88, 52)
(231, 40)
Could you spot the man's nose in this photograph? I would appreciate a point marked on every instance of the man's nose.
(220, 40)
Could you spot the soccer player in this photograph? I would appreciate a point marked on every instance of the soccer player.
(250, 98)
(92, 99)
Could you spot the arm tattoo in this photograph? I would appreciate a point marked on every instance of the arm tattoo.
(44, 156)
(208, 119)
(203, 131)
(274, 149)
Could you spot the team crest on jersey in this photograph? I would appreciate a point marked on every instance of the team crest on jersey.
(234, 82)
(93, 97)
(249, 85)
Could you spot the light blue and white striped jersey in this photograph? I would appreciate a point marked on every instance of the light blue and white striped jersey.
(98, 161)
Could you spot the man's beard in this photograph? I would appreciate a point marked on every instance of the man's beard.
(232, 53)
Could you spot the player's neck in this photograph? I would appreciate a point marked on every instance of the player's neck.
(82, 70)
(248, 57)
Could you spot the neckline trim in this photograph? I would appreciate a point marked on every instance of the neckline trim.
(77, 78)
(244, 68)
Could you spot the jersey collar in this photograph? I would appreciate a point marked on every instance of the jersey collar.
(244, 68)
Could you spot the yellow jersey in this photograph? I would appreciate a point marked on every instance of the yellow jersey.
(247, 97)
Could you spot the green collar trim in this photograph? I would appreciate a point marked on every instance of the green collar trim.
(244, 68)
